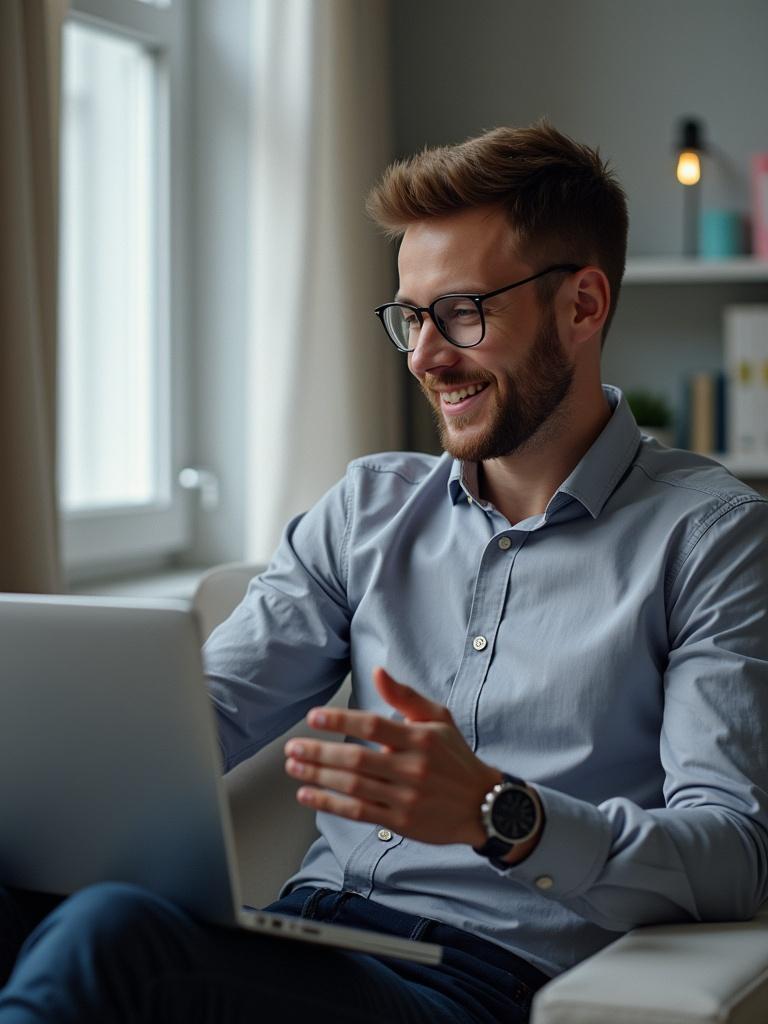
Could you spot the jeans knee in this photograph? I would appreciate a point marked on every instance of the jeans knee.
(99, 955)
(110, 909)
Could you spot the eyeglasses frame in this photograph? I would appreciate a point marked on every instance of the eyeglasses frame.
(477, 299)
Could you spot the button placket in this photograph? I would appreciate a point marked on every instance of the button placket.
(486, 610)
(480, 642)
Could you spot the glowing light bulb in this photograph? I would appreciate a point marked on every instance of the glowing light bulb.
(688, 168)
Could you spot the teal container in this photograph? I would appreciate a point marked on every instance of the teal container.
(721, 234)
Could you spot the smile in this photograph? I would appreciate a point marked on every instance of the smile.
(454, 397)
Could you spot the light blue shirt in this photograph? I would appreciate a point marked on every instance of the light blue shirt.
(612, 651)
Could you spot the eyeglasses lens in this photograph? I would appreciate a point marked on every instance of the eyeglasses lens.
(459, 318)
(403, 326)
(456, 317)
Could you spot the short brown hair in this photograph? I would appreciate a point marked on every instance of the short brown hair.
(564, 202)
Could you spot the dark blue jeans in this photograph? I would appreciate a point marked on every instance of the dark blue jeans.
(114, 953)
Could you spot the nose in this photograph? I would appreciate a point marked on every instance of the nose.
(432, 349)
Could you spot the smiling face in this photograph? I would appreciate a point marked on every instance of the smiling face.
(491, 400)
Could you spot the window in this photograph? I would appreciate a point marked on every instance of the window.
(121, 297)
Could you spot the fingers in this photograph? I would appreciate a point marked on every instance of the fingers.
(388, 766)
(350, 757)
(393, 777)
(363, 725)
(409, 702)
(353, 781)
(354, 808)
(365, 788)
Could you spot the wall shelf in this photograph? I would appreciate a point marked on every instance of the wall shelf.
(672, 272)
(676, 270)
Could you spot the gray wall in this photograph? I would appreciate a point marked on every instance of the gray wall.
(617, 74)
(614, 73)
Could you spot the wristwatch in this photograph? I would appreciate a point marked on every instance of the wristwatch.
(510, 816)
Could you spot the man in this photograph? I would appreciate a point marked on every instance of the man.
(557, 639)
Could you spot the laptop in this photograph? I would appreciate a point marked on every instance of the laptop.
(110, 766)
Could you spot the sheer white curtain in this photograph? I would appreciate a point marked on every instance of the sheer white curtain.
(324, 384)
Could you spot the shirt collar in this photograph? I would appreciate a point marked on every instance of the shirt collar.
(596, 475)
(463, 481)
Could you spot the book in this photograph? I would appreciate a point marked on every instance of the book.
(702, 413)
(746, 366)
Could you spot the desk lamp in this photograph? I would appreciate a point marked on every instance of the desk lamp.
(689, 149)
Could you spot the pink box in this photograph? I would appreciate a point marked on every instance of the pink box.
(760, 205)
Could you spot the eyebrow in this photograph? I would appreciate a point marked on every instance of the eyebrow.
(399, 297)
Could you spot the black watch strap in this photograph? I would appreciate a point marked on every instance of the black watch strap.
(494, 849)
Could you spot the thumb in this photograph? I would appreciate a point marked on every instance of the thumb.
(411, 704)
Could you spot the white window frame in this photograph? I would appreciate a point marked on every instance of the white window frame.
(96, 542)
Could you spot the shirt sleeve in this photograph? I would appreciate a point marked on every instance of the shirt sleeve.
(285, 648)
(704, 855)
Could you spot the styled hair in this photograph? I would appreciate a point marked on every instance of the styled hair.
(564, 203)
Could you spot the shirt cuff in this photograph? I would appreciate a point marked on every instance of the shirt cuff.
(572, 850)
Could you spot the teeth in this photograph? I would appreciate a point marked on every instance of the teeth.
(452, 397)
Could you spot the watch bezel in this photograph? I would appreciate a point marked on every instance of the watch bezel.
(490, 801)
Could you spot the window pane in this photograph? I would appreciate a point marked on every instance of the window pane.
(109, 355)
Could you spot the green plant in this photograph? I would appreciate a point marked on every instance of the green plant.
(649, 409)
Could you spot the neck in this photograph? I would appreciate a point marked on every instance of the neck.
(521, 484)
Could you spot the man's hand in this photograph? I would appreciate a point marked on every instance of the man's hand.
(423, 781)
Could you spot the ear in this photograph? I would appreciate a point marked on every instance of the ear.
(588, 303)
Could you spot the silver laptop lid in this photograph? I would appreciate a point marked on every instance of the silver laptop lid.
(80, 797)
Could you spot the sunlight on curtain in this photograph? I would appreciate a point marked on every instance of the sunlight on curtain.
(323, 381)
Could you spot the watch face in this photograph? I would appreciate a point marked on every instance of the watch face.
(513, 815)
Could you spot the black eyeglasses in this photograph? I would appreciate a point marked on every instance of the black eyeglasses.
(459, 318)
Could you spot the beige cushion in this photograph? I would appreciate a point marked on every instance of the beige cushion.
(219, 591)
(670, 974)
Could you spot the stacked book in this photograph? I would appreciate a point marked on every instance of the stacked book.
(728, 411)
(746, 366)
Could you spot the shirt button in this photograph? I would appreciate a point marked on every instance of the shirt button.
(479, 643)
(505, 543)
(544, 882)
(384, 835)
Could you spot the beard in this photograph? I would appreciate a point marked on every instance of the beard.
(532, 397)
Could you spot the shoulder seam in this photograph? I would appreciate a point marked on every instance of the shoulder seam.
(703, 527)
(386, 469)
(723, 496)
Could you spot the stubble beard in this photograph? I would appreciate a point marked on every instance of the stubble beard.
(525, 413)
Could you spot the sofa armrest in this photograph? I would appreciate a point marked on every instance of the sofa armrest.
(667, 974)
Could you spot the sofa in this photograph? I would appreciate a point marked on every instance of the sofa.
(666, 974)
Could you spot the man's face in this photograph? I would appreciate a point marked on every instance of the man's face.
(519, 374)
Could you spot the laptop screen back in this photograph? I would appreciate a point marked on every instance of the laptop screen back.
(109, 764)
